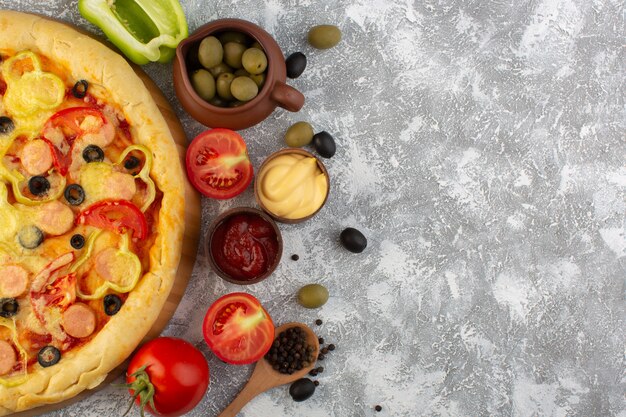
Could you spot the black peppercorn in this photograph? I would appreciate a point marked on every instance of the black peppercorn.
(378, 408)
(319, 322)
(295, 257)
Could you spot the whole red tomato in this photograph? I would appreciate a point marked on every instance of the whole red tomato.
(168, 377)
(238, 329)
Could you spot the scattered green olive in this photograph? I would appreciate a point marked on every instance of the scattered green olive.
(210, 52)
(254, 61)
(324, 36)
(299, 134)
(204, 84)
(220, 69)
(244, 89)
(223, 85)
(312, 296)
(232, 54)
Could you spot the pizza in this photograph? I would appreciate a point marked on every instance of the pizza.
(91, 211)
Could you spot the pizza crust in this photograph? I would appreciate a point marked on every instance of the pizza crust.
(87, 367)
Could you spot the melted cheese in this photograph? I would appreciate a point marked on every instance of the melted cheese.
(101, 182)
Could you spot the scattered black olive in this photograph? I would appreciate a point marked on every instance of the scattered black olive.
(302, 389)
(131, 162)
(112, 304)
(378, 408)
(319, 323)
(77, 241)
(331, 347)
(324, 144)
(80, 89)
(294, 257)
(48, 356)
(8, 307)
(74, 194)
(38, 185)
(30, 237)
(93, 153)
(353, 240)
(295, 63)
(6, 125)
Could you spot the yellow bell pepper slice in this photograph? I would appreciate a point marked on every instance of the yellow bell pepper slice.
(131, 261)
(144, 174)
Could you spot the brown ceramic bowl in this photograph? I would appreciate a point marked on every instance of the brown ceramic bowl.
(211, 234)
(284, 152)
(275, 92)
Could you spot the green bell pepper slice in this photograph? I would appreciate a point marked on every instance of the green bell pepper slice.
(144, 30)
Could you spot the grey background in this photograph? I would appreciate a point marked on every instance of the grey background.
(481, 149)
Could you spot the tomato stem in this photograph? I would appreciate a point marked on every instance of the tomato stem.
(142, 388)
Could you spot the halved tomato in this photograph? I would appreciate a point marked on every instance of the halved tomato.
(118, 216)
(64, 127)
(218, 164)
(238, 329)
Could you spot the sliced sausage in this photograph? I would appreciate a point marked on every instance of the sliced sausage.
(13, 281)
(55, 218)
(8, 358)
(102, 137)
(79, 320)
(36, 157)
(106, 265)
(120, 186)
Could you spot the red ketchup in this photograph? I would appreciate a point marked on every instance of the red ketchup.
(244, 246)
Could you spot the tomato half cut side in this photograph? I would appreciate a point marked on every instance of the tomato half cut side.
(218, 164)
(117, 216)
(69, 124)
(238, 329)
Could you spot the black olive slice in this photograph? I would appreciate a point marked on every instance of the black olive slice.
(6, 125)
(30, 237)
(77, 241)
(38, 185)
(80, 89)
(112, 304)
(93, 153)
(48, 356)
(131, 162)
(74, 194)
(8, 307)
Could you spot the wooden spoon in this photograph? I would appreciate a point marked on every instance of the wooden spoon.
(265, 377)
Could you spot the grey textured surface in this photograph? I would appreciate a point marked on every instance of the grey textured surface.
(482, 150)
